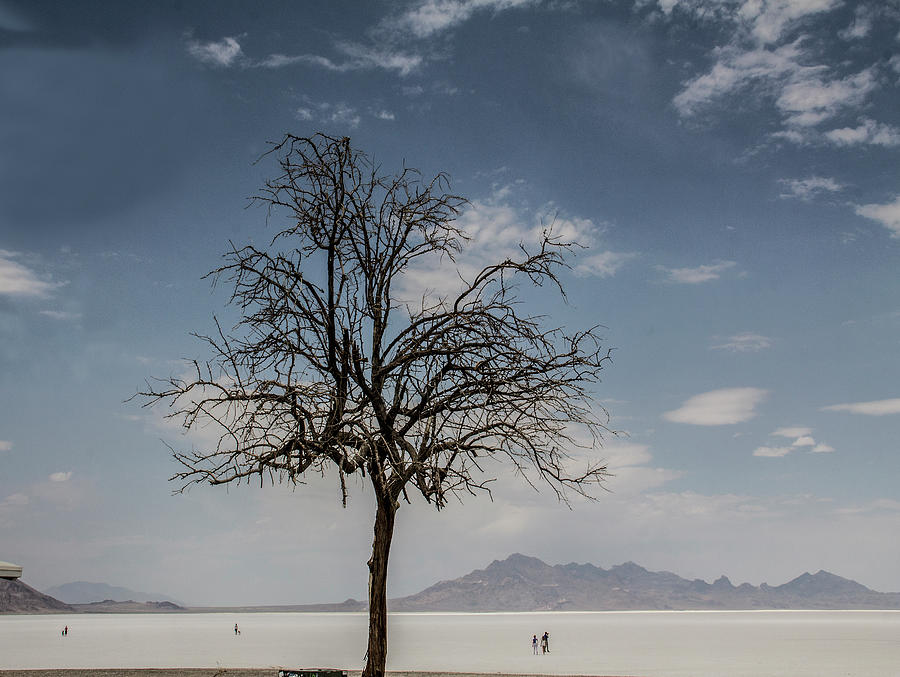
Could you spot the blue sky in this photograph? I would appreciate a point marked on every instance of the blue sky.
(731, 166)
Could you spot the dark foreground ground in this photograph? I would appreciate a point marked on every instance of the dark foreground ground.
(230, 672)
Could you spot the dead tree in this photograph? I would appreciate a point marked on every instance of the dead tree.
(328, 369)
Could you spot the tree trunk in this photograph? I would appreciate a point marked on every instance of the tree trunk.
(376, 656)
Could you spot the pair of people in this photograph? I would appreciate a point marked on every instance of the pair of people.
(545, 643)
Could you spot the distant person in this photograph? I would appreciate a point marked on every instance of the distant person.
(545, 642)
(66, 631)
(236, 631)
(534, 644)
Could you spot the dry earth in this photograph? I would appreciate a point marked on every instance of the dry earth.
(231, 672)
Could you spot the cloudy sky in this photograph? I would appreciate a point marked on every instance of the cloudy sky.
(731, 165)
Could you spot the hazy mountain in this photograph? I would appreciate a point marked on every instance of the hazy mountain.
(109, 606)
(17, 597)
(521, 583)
(82, 592)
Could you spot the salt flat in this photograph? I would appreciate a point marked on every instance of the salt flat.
(664, 644)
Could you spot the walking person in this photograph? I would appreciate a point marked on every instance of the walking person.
(534, 644)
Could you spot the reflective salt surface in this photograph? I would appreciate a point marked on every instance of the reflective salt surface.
(668, 644)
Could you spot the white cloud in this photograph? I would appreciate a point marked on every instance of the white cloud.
(804, 89)
(874, 408)
(808, 188)
(744, 343)
(5, 445)
(808, 99)
(769, 19)
(699, 274)
(800, 436)
(222, 53)
(771, 452)
(496, 228)
(340, 114)
(761, 21)
(436, 16)
(719, 407)
(358, 57)
(60, 476)
(19, 280)
(863, 20)
(383, 114)
(736, 69)
(362, 57)
(622, 455)
(602, 264)
(793, 432)
(887, 215)
(869, 132)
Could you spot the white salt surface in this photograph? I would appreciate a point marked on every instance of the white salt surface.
(664, 644)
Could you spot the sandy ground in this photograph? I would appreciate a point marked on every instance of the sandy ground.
(231, 672)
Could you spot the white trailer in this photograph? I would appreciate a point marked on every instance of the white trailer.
(10, 571)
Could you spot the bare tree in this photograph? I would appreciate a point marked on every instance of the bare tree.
(329, 369)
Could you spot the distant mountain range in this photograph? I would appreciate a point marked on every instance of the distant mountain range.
(521, 583)
(82, 592)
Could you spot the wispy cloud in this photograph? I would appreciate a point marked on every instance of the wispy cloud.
(772, 452)
(5, 445)
(809, 98)
(220, 53)
(873, 408)
(736, 69)
(60, 476)
(18, 280)
(496, 226)
(862, 24)
(719, 407)
(744, 343)
(801, 438)
(602, 264)
(802, 87)
(697, 275)
(340, 114)
(888, 215)
(383, 114)
(796, 432)
(810, 187)
(356, 57)
(869, 133)
(227, 53)
(430, 17)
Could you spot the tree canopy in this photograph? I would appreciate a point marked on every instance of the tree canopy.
(332, 369)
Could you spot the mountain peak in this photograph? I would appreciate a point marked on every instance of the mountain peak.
(524, 583)
(628, 568)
